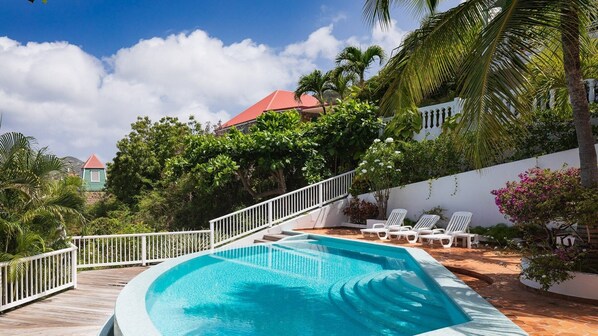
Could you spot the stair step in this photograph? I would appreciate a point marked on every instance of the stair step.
(274, 237)
(260, 241)
(372, 289)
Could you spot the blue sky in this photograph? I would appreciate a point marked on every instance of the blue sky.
(76, 73)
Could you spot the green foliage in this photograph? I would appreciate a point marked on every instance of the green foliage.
(380, 168)
(35, 209)
(344, 135)
(431, 159)
(404, 124)
(359, 210)
(317, 84)
(466, 45)
(355, 61)
(143, 153)
(501, 234)
(548, 131)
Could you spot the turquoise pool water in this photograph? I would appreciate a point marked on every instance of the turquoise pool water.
(317, 287)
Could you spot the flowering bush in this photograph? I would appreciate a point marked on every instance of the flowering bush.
(540, 195)
(360, 210)
(546, 204)
(380, 169)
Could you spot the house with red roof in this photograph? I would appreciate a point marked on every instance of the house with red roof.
(278, 101)
(93, 173)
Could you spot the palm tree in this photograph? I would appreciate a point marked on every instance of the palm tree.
(315, 83)
(33, 208)
(341, 83)
(488, 44)
(354, 60)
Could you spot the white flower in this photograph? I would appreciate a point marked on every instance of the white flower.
(372, 169)
(381, 164)
(364, 171)
(389, 140)
(397, 152)
(389, 167)
(304, 168)
(376, 140)
(544, 276)
(377, 160)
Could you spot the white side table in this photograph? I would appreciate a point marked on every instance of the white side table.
(468, 238)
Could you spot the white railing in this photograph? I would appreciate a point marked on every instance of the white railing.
(34, 277)
(434, 116)
(265, 214)
(138, 248)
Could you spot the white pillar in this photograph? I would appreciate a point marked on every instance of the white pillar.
(552, 102)
(591, 89)
(74, 267)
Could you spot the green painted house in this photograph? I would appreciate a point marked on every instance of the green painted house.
(93, 174)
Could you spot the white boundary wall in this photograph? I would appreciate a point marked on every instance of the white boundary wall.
(473, 190)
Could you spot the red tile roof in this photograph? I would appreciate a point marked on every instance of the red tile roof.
(277, 100)
(93, 163)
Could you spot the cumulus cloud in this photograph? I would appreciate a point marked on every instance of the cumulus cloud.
(320, 43)
(388, 38)
(77, 104)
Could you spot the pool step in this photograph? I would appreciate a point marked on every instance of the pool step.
(369, 300)
(271, 237)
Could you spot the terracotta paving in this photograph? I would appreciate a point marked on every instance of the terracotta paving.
(536, 313)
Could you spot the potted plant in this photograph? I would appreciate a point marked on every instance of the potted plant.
(547, 205)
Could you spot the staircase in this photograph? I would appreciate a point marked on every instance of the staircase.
(264, 215)
(389, 303)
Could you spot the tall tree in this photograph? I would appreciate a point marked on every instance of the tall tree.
(143, 153)
(341, 83)
(490, 44)
(355, 61)
(317, 84)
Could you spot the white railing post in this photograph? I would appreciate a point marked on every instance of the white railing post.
(458, 104)
(211, 235)
(321, 194)
(74, 266)
(270, 213)
(591, 90)
(143, 250)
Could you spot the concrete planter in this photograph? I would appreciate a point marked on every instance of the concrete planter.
(371, 222)
(582, 285)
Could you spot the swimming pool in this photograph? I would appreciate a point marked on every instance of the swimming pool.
(309, 285)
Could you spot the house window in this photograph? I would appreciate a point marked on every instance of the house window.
(95, 176)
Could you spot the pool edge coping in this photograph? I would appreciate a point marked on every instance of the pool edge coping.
(485, 318)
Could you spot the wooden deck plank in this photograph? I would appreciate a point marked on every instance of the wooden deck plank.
(82, 311)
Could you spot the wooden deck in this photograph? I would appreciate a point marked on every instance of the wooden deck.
(82, 311)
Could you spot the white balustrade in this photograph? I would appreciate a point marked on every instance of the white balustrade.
(434, 116)
(278, 209)
(31, 278)
(138, 248)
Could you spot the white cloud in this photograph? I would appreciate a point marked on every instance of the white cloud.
(389, 38)
(76, 104)
(320, 43)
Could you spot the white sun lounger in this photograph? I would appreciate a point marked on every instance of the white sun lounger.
(424, 225)
(394, 222)
(457, 225)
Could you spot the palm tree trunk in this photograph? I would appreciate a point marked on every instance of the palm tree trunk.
(577, 92)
